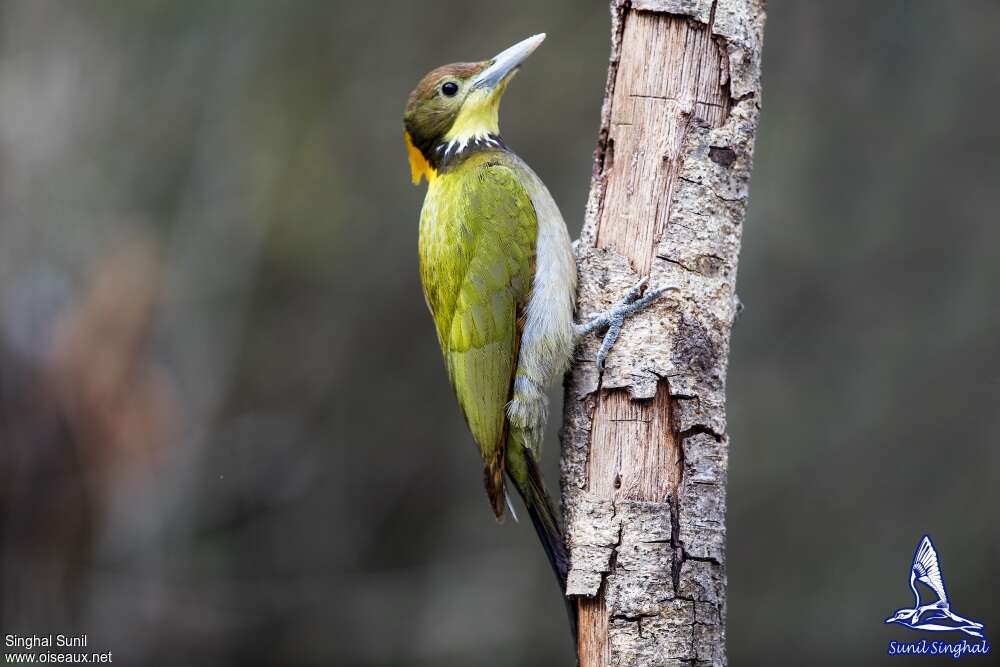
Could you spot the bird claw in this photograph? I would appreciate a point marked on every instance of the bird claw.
(635, 299)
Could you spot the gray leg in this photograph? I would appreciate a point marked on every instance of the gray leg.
(613, 318)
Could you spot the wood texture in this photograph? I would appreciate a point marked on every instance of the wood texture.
(644, 442)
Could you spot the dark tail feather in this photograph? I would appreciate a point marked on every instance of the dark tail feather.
(543, 518)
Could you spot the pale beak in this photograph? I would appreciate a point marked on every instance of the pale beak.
(506, 62)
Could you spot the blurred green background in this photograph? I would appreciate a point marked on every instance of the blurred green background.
(226, 437)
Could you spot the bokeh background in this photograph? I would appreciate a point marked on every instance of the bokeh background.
(225, 434)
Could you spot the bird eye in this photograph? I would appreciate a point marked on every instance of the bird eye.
(450, 88)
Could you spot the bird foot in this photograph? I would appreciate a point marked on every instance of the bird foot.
(636, 299)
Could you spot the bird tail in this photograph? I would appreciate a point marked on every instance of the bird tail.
(527, 478)
(543, 518)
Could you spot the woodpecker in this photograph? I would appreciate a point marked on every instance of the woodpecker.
(499, 277)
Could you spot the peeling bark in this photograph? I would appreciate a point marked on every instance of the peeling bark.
(644, 443)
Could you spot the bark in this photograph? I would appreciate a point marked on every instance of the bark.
(644, 457)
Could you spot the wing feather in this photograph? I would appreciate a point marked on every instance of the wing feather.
(477, 245)
(927, 569)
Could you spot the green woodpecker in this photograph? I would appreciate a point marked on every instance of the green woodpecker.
(499, 277)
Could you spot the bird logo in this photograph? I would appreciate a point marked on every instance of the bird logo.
(936, 616)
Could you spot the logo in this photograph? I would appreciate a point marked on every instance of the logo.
(936, 615)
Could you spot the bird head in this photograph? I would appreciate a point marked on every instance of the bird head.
(458, 104)
(902, 616)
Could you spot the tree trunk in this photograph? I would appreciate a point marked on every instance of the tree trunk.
(644, 443)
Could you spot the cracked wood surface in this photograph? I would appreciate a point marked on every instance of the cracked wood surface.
(645, 444)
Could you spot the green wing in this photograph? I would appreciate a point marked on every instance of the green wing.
(477, 244)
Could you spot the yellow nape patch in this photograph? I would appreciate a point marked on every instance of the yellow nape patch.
(419, 166)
